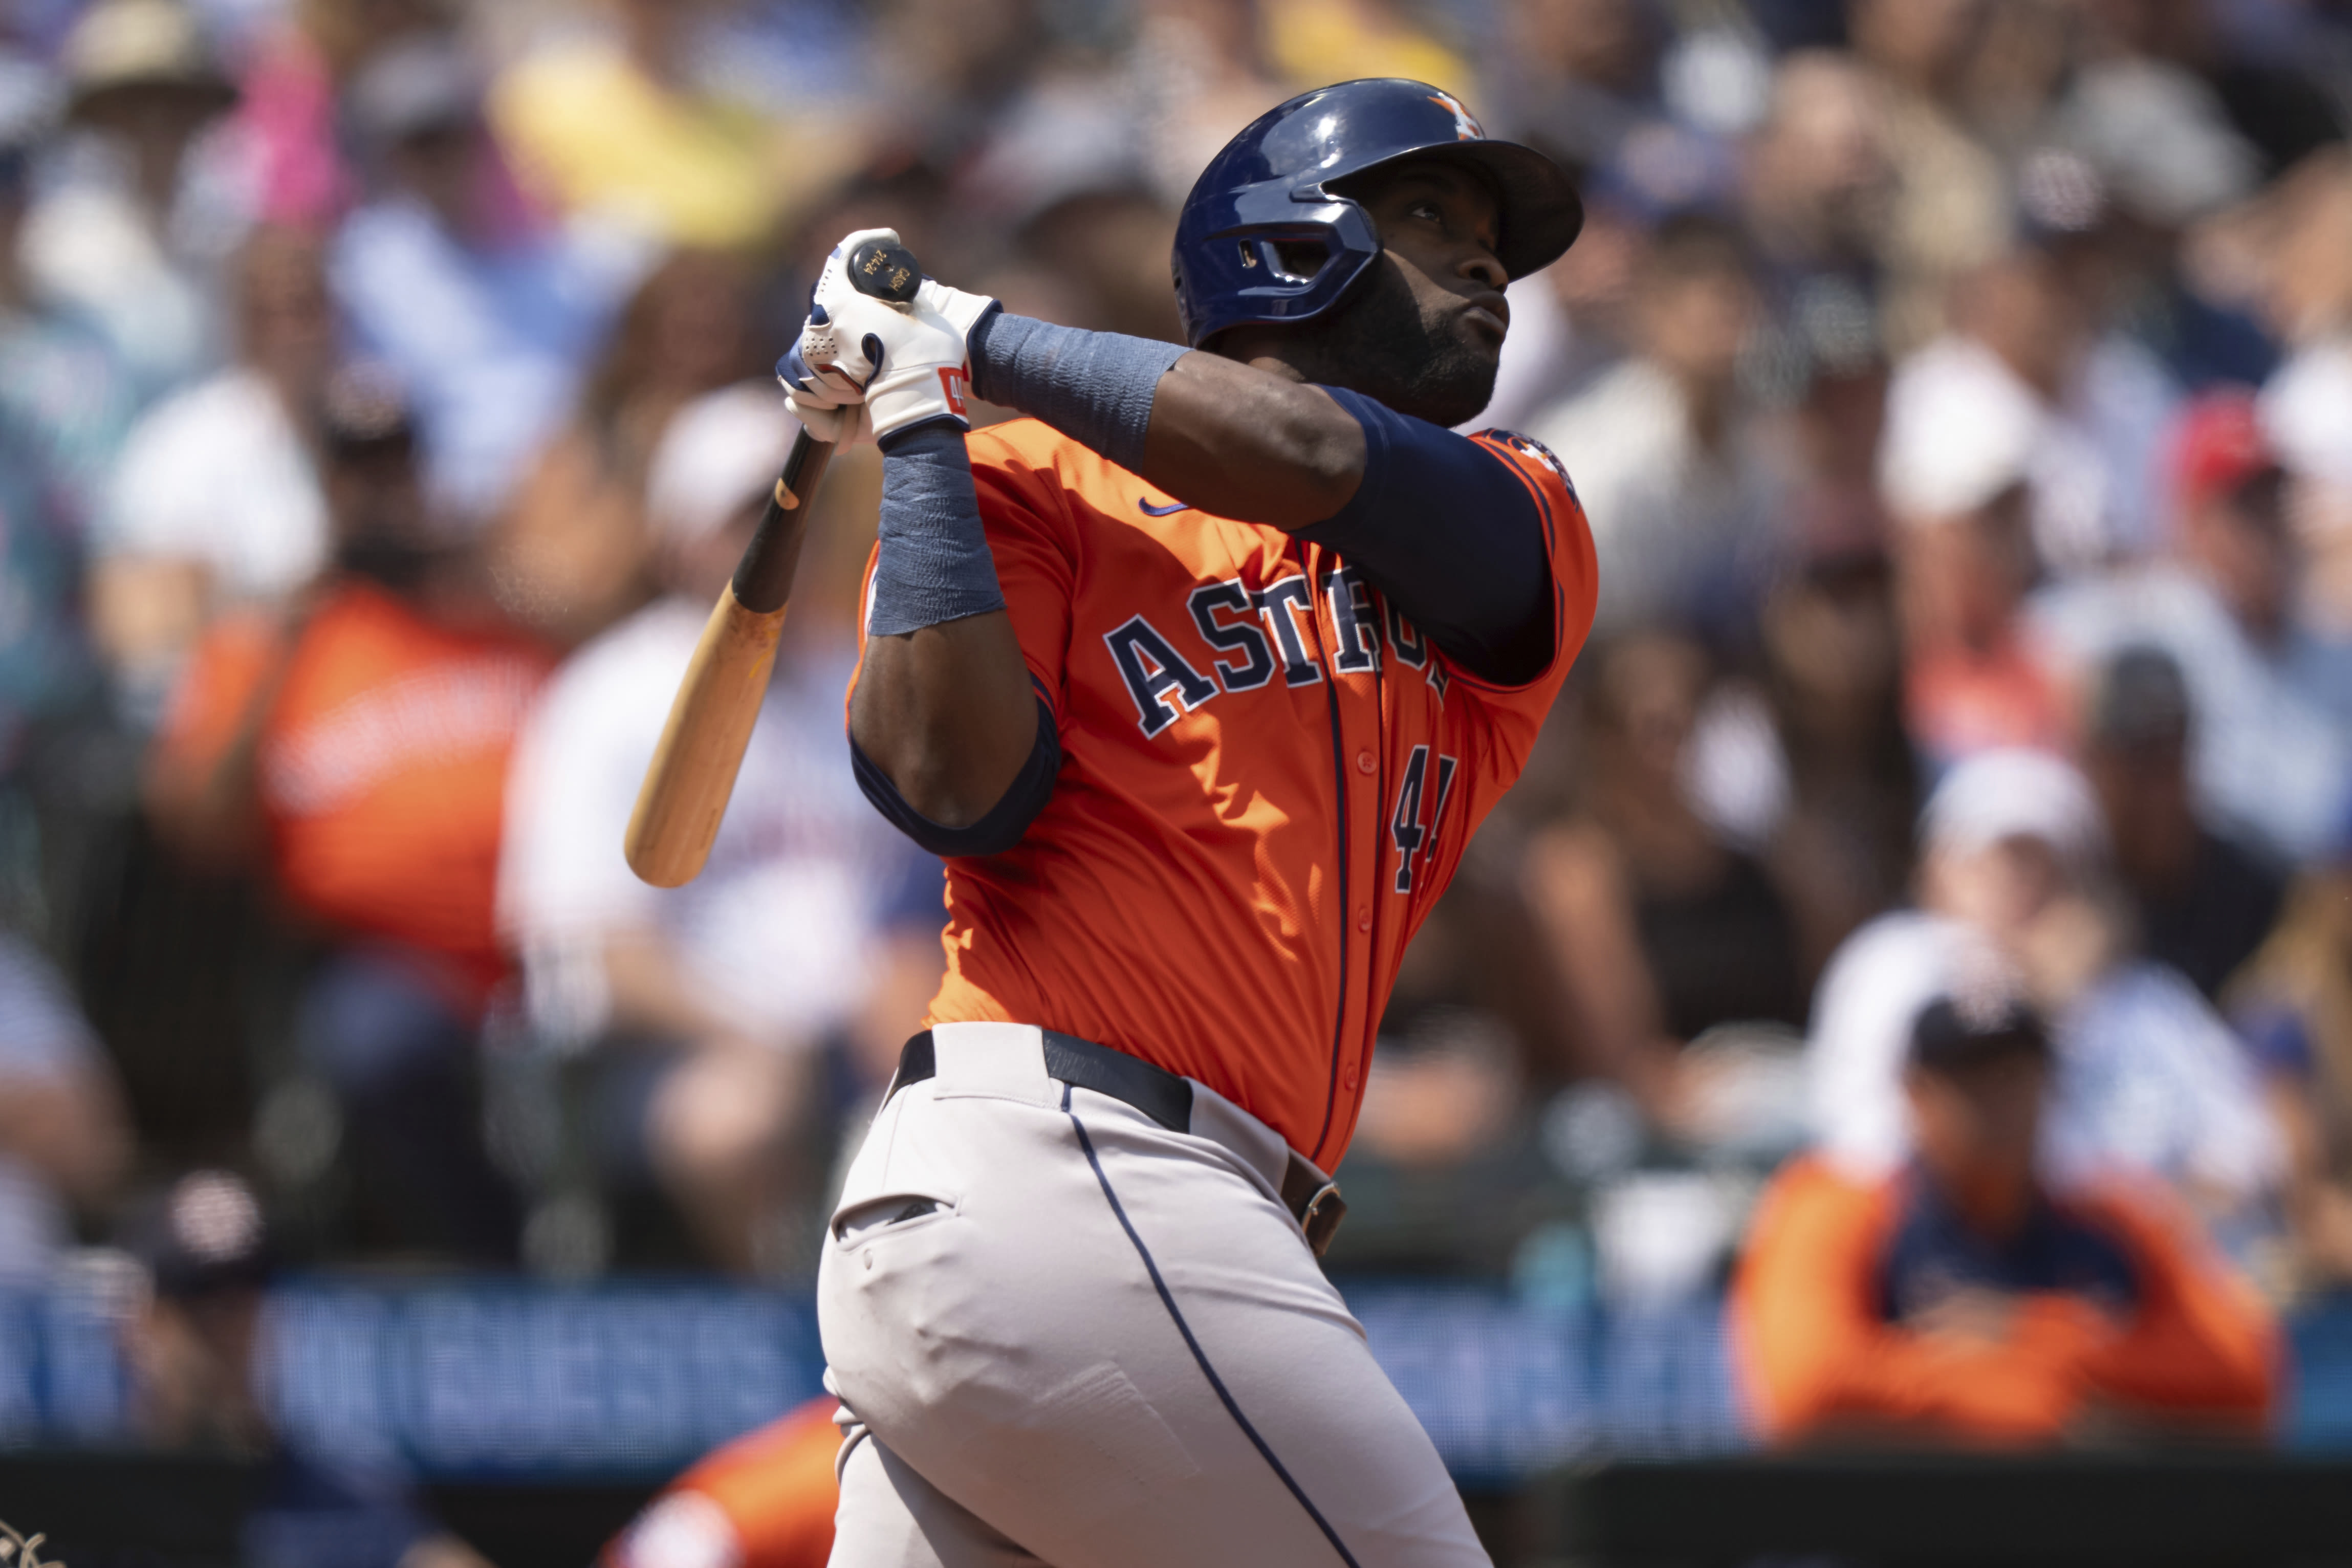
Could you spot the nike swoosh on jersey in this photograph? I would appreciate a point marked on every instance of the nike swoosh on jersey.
(1151, 511)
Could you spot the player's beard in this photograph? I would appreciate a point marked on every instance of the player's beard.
(1381, 341)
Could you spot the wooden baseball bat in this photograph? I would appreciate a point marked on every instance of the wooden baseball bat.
(693, 772)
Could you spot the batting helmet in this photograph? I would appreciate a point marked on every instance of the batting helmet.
(1271, 187)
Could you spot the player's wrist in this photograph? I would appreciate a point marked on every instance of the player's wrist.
(1097, 388)
(933, 563)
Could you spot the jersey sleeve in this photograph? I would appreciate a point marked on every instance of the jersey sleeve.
(2203, 1344)
(1512, 715)
(1033, 542)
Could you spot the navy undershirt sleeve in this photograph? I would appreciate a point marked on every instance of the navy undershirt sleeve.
(1006, 821)
(1451, 536)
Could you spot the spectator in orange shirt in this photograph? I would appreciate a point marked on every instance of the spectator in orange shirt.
(765, 1500)
(1965, 1298)
(355, 743)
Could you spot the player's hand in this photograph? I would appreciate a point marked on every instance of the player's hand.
(910, 362)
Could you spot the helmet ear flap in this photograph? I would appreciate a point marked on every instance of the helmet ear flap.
(1268, 256)
(1292, 260)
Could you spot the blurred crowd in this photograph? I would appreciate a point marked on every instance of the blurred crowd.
(1950, 821)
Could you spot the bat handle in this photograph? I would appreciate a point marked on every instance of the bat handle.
(763, 578)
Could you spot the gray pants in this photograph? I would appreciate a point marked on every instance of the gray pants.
(1064, 1334)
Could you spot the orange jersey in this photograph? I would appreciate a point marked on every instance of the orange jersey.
(382, 763)
(1817, 1347)
(1267, 777)
(765, 1500)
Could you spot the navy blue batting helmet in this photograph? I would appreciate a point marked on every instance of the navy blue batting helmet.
(1271, 188)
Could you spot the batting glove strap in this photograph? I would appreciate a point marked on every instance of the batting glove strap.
(933, 563)
(1094, 387)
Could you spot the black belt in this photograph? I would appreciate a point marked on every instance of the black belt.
(1159, 1094)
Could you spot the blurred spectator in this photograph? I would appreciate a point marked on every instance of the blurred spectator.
(1105, 254)
(1658, 930)
(1575, 77)
(949, 71)
(1199, 70)
(292, 86)
(1819, 186)
(486, 316)
(2029, 351)
(196, 1348)
(143, 208)
(2203, 901)
(63, 1144)
(1968, 1299)
(570, 555)
(2140, 154)
(765, 1500)
(2273, 702)
(355, 742)
(1317, 41)
(632, 118)
(2013, 859)
(1948, 206)
(1953, 472)
(717, 995)
(2293, 250)
(1571, 322)
(215, 503)
(2257, 70)
(1665, 448)
(65, 402)
(1817, 774)
(2293, 1004)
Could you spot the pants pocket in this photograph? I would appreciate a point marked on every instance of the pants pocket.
(892, 1214)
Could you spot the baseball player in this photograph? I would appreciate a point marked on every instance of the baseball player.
(1201, 676)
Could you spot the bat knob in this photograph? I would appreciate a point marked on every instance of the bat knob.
(884, 271)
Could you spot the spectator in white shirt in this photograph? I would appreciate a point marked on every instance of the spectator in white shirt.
(2274, 701)
(2013, 859)
(733, 980)
(2089, 404)
(216, 502)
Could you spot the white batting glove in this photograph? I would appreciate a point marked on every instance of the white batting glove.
(838, 423)
(910, 362)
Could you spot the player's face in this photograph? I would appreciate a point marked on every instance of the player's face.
(1440, 223)
(1423, 333)
(1975, 1128)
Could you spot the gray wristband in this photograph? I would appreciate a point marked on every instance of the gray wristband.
(934, 563)
(1094, 387)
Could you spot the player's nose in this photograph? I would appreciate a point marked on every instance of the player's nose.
(1480, 265)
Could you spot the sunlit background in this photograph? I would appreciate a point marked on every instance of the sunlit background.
(382, 385)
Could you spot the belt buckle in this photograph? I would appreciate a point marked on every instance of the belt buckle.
(1321, 1217)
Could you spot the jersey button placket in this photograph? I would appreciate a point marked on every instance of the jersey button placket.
(1366, 764)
